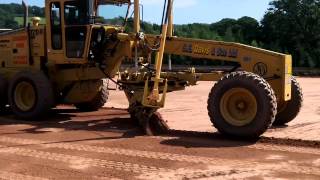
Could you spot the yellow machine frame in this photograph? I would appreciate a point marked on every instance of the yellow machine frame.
(77, 80)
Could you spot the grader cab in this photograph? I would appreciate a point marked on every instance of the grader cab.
(83, 42)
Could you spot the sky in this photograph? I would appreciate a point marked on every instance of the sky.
(191, 11)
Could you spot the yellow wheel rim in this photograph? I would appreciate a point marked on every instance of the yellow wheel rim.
(238, 106)
(24, 96)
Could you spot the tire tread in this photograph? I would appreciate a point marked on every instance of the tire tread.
(258, 81)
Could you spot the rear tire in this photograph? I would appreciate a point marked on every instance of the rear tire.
(290, 109)
(3, 93)
(30, 95)
(242, 105)
(97, 102)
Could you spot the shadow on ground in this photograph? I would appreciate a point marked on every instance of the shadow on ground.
(68, 119)
(116, 121)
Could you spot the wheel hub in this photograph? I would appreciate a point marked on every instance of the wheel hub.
(241, 105)
(25, 96)
(238, 106)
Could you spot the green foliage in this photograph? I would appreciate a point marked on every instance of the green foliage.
(11, 15)
(19, 20)
(293, 26)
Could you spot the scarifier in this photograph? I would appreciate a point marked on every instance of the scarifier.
(83, 42)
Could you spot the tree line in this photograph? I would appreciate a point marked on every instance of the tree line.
(288, 26)
(8, 13)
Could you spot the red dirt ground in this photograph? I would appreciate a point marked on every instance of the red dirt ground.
(108, 145)
(187, 110)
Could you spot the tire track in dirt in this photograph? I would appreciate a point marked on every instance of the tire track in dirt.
(148, 172)
(15, 176)
(233, 171)
(155, 174)
(283, 148)
(46, 169)
(116, 151)
(152, 155)
(77, 160)
(182, 173)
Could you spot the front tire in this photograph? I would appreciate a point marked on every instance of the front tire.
(97, 102)
(30, 95)
(290, 109)
(242, 105)
(3, 93)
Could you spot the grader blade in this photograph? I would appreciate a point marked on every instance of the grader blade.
(155, 125)
(149, 120)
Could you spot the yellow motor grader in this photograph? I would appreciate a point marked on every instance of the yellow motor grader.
(83, 42)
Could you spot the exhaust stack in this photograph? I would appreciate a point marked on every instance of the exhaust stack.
(26, 14)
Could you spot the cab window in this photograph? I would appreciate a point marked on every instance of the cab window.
(56, 32)
(75, 28)
(75, 13)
